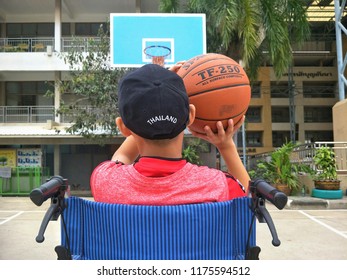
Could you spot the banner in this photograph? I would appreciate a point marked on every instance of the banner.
(29, 157)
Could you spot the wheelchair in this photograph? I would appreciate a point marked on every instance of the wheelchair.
(203, 231)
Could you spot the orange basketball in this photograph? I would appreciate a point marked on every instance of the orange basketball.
(218, 87)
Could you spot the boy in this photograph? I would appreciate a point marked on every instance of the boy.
(147, 169)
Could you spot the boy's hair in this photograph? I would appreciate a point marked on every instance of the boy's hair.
(153, 102)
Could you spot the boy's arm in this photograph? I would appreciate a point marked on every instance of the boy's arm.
(127, 152)
(235, 165)
(223, 140)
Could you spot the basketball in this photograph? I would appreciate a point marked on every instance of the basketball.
(218, 87)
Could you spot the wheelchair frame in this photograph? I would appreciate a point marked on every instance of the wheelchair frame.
(56, 188)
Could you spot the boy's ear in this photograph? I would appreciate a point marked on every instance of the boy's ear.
(192, 111)
(122, 128)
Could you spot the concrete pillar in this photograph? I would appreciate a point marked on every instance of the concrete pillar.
(56, 157)
(57, 26)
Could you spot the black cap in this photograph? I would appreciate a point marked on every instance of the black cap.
(153, 102)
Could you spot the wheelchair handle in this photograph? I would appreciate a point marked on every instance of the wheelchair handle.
(265, 190)
(55, 189)
(47, 190)
(260, 192)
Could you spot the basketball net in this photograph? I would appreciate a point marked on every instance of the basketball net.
(157, 54)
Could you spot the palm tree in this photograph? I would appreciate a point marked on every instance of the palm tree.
(250, 31)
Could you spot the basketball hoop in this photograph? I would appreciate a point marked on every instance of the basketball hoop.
(157, 54)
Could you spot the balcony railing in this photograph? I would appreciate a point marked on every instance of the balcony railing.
(35, 114)
(40, 44)
(340, 150)
(304, 154)
(26, 114)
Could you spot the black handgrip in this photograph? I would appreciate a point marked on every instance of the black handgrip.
(276, 197)
(46, 190)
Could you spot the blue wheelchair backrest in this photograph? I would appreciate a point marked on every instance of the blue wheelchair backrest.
(207, 231)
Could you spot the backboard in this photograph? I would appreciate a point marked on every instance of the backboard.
(131, 34)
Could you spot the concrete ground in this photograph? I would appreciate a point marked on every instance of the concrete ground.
(308, 228)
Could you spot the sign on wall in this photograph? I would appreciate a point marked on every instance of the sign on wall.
(7, 158)
(29, 158)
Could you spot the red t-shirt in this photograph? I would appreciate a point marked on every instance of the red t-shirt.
(162, 181)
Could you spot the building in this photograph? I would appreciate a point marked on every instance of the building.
(33, 32)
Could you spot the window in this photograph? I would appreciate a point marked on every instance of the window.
(45, 29)
(88, 28)
(319, 89)
(254, 139)
(253, 114)
(315, 136)
(29, 29)
(14, 30)
(65, 29)
(279, 90)
(27, 93)
(280, 137)
(256, 90)
(280, 114)
(317, 114)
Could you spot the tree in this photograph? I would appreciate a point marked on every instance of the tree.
(250, 30)
(94, 85)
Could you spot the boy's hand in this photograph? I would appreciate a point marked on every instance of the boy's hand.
(177, 66)
(223, 138)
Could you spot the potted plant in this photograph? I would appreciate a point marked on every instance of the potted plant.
(326, 169)
(193, 147)
(279, 171)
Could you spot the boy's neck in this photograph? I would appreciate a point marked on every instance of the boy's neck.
(170, 148)
(166, 152)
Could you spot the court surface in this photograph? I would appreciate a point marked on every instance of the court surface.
(304, 234)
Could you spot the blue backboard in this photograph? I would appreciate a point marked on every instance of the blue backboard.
(183, 34)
